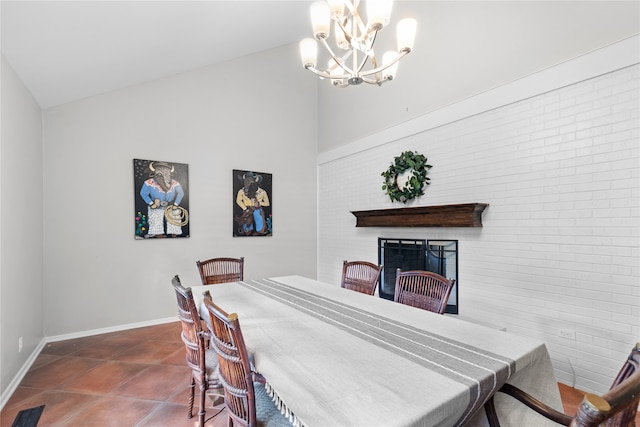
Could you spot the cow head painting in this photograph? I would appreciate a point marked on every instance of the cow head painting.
(161, 208)
(252, 210)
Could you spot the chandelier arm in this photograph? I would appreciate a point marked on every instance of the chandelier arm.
(376, 81)
(347, 33)
(367, 34)
(326, 75)
(340, 83)
(342, 61)
(335, 58)
(361, 66)
(352, 39)
(369, 53)
(401, 55)
(352, 6)
(318, 72)
(371, 39)
(353, 10)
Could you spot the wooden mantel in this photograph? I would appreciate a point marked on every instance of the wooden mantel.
(464, 215)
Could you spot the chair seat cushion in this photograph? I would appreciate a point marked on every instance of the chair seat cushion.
(211, 363)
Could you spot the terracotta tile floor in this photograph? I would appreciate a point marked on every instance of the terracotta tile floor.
(130, 378)
(135, 378)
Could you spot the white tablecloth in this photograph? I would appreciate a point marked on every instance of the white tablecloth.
(340, 358)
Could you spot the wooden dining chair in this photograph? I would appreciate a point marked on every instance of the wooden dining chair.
(616, 408)
(247, 402)
(361, 276)
(423, 289)
(202, 360)
(221, 270)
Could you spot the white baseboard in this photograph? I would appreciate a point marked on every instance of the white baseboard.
(15, 382)
(8, 392)
(92, 332)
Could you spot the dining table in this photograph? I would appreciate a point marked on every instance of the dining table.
(336, 357)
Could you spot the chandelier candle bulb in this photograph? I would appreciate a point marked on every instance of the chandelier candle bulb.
(336, 8)
(308, 52)
(406, 34)
(378, 13)
(320, 19)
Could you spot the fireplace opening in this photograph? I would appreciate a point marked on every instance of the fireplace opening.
(438, 256)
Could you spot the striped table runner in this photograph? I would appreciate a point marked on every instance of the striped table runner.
(481, 371)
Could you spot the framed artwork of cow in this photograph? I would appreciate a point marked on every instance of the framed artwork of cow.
(161, 191)
(252, 203)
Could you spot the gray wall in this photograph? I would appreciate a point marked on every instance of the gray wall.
(21, 258)
(96, 276)
(215, 119)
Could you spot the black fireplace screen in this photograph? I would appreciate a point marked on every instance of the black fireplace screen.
(438, 256)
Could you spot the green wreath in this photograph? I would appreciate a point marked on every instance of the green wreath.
(409, 160)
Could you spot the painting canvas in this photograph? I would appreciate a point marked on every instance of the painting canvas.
(252, 203)
(161, 191)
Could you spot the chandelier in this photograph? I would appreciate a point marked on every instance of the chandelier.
(354, 39)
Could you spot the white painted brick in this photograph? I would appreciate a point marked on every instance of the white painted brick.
(595, 113)
(616, 118)
(625, 86)
(579, 89)
(576, 109)
(560, 246)
(625, 125)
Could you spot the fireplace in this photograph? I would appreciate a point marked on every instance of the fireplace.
(438, 256)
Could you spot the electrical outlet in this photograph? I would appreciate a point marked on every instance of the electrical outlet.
(20, 344)
(566, 333)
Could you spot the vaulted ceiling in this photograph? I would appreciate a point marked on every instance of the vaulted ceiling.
(68, 50)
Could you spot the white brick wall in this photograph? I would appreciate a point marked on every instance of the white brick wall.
(560, 247)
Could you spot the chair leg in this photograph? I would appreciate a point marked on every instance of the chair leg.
(192, 388)
(202, 412)
(490, 410)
